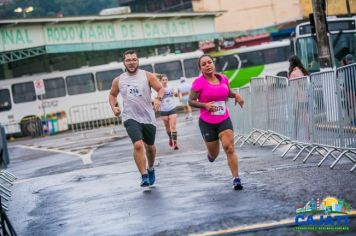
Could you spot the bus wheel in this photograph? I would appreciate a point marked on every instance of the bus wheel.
(31, 126)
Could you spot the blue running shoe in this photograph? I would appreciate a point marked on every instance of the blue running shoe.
(151, 176)
(236, 184)
(145, 181)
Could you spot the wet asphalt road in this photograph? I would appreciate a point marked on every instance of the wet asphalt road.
(74, 184)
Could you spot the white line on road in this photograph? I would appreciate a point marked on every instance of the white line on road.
(86, 158)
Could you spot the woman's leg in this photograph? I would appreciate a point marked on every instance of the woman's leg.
(213, 150)
(227, 140)
(168, 128)
(173, 125)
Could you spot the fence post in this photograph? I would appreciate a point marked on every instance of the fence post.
(4, 152)
(341, 120)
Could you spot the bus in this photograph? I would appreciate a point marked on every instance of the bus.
(244, 63)
(21, 108)
(342, 41)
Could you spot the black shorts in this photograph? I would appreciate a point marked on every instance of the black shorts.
(138, 131)
(210, 132)
(168, 113)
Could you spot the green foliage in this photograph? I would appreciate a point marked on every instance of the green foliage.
(45, 8)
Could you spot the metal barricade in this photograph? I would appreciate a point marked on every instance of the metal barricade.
(346, 85)
(259, 103)
(277, 104)
(300, 109)
(325, 120)
(90, 116)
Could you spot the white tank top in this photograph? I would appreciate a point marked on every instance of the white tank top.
(136, 94)
(168, 102)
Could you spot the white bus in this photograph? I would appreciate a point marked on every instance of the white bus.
(342, 41)
(65, 90)
(244, 63)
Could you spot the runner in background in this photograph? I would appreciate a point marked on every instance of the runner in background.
(169, 111)
(183, 92)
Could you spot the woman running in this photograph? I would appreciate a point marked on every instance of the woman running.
(210, 92)
(169, 111)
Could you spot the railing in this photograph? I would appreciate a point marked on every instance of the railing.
(90, 116)
(314, 114)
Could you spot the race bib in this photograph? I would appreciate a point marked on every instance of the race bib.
(221, 108)
(168, 100)
(134, 91)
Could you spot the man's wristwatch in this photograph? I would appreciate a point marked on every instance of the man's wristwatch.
(159, 98)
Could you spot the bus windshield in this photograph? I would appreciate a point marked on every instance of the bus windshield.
(342, 39)
(308, 53)
(343, 44)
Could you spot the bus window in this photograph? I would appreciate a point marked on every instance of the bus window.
(308, 54)
(251, 59)
(172, 69)
(23, 92)
(191, 67)
(343, 44)
(104, 78)
(54, 88)
(275, 55)
(78, 84)
(146, 68)
(226, 63)
(5, 101)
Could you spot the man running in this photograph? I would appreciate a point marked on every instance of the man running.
(184, 91)
(138, 114)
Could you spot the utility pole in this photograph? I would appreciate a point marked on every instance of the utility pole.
(321, 33)
(348, 8)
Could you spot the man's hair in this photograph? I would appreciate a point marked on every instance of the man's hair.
(131, 51)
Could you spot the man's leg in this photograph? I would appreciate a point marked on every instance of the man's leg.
(139, 156)
(151, 155)
(149, 135)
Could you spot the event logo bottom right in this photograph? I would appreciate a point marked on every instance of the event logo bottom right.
(329, 214)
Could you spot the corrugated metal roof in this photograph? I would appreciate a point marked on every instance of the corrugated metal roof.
(111, 17)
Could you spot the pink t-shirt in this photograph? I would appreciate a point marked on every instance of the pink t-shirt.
(217, 93)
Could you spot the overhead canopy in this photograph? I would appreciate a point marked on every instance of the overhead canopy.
(74, 34)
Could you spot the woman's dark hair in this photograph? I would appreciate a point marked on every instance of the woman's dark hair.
(204, 55)
(294, 62)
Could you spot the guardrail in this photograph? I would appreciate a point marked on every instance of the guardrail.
(315, 114)
(90, 116)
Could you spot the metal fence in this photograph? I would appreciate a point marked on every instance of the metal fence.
(315, 114)
(79, 119)
(90, 116)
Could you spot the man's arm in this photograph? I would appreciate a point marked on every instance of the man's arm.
(157, 86)
(113, 97)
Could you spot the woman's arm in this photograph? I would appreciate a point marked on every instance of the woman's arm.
(193, 100)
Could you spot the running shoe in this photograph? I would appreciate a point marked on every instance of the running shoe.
(175, 147)
(170, 143)
(151, 176)
(236, 184)
(145, 181)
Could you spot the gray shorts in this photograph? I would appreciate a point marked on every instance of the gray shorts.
(184, 100)
(138, 131)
